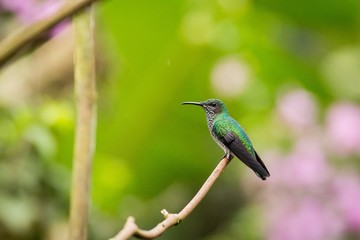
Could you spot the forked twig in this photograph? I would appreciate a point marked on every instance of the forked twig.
(131, 229)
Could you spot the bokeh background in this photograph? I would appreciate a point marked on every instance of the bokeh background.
(289, 72)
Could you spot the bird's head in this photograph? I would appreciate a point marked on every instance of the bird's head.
(211, 106)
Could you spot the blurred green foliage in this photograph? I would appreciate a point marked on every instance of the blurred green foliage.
(151, 152)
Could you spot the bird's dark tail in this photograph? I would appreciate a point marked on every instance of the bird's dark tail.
(264, 174)
(238, 148)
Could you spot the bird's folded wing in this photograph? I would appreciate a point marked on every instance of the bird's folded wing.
(231, 141)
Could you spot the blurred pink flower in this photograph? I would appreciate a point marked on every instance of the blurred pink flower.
(306, 219)
(298, 109)
(305, 166)
(343, 128)
(29, 11)
(309, 199)
(17, 6)
(306, 196)
(347, 195)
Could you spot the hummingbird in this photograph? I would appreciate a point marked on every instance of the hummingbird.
(230, 136)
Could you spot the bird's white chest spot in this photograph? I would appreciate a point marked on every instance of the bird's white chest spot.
(210, 119)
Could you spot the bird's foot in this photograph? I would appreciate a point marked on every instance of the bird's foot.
(228, 155)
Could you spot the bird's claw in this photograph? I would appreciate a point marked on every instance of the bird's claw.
(228, 155)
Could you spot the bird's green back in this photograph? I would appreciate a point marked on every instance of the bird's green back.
(224, 123)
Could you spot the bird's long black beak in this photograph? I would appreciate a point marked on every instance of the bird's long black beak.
(192, 103)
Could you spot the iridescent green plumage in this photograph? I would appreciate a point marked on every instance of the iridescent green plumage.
(225, 124)
(230, 136)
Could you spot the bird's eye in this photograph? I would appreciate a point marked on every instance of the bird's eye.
(213, 104)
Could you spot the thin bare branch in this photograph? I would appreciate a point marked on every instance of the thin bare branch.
(16, 41)
(85, 93)
(131, 229)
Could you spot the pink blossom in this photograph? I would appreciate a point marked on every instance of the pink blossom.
(307, 219)
(305, 166)
(343, 128)
(29, 11)
(297, 109)
(347, 195)
(46, 8)
(17, 6)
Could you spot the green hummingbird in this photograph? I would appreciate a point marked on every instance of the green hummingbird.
(230, 136)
